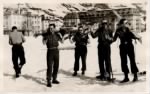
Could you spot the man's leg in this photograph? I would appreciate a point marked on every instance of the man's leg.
(22, 58)
(76, 64)
(83, 57)
(134, 68)
(49, 67)
(101, 63)
(124, 66)
(15, 60)
(108, 62)
(55, 66)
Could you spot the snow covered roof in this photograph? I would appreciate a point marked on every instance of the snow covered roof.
(72, 16)
(117, 6)
(61, 9)
(57, 9)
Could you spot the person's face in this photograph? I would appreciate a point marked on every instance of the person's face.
(81, 30)
(51, 28)
(104, 25)
(125, 23)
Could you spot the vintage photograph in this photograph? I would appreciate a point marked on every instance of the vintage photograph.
(75, 47)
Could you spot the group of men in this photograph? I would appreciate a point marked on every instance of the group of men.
(81, 39)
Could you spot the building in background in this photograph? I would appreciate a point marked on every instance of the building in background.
(58, 22)
(33, 18)
(133, 16)
(29, 20)
(45, 22)
(96, 16)
(72, 19)
(14, 18)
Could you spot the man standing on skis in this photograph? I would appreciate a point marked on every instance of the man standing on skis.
(126, 49)
(105, 37)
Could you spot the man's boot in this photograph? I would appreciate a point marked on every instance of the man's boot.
(75, 73)
(101, 77)
(20, 67)
(135, 77)
(49, 83)
(108, 78)
(83, 72)
(126, 79)
(55, 82)
(17, 73)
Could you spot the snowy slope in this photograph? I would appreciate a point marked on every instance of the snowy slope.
(33, 76)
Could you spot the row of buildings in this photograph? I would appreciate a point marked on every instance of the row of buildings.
(29, 20)
(135, 18)
(33, 20)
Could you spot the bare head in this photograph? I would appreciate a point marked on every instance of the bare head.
(51, 27)
(123, 22)
(14, 28)
(80, 29)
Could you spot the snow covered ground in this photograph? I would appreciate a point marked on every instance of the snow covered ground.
(34, 72)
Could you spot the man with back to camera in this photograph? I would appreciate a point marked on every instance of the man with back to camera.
(16, 39)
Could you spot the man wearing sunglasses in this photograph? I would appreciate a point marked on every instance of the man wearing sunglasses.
(105, 38)
(126, 49)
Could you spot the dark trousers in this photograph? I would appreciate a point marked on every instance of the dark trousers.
(104, 53)
(52, 63)
(80, 51)
(128, 50)
(18, 53)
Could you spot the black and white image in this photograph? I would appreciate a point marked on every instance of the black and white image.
(90, 47)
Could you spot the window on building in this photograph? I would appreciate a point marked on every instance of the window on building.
(72, 23)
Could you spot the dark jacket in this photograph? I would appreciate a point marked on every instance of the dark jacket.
(51, 39)
(124, 34)
(105, 36)
(81, 39)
